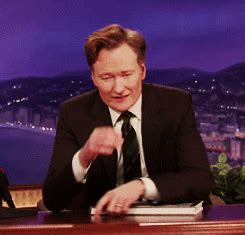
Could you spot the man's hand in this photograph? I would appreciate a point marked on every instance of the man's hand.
(102, 141)
(118, 200)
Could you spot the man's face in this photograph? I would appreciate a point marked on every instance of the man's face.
(118, 77)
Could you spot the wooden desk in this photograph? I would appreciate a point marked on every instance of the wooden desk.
(228, 219)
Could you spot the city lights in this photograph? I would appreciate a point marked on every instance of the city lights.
(219, 110)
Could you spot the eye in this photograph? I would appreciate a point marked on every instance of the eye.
(107, 78)
(126, 75)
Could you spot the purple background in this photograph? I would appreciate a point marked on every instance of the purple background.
(45, 37)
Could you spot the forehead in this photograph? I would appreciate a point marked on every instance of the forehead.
(121, 57)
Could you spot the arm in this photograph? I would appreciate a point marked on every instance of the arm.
(191, 178)
(61, 187)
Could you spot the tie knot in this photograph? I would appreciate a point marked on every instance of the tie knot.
(125, 116)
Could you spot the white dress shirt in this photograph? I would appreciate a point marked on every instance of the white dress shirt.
(151, 192)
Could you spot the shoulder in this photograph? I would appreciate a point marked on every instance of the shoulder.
(166, 93)
(84, 100)
(171, 104)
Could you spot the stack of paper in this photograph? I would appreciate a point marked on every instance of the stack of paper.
(142, 208)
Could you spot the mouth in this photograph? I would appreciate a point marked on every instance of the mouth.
(121, 97)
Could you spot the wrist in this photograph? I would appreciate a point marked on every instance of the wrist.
(141, 186)
(84, 160)
(151, 192)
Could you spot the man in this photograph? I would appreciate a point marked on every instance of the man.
(88, 165)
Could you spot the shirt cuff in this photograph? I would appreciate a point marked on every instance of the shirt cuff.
(151, 191)
(79, 171)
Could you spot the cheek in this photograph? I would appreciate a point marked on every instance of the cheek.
(137, 85)
(104, 90)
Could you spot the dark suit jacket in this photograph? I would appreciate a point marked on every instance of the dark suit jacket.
(174, 152)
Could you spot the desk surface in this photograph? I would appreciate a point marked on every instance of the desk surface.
(213, 220)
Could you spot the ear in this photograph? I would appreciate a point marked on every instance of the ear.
(143, 69)
(94, 80)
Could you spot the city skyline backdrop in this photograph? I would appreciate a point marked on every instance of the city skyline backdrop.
(45, 38)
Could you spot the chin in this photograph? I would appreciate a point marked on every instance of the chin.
(120, 108)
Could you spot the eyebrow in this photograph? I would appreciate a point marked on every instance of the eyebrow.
(127, 71)
(112, 74)
(105, 74)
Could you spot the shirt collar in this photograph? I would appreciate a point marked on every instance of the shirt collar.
(135, 109)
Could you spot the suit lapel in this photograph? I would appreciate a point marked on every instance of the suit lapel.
(101, 117)
(151, 131)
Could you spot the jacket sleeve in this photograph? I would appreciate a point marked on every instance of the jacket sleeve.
(191, 179)
(60, 186)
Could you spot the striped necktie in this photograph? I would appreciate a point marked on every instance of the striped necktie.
(130, 149)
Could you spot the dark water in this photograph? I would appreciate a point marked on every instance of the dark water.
(25, 155)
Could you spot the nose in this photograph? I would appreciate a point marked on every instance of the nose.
(119, 85)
